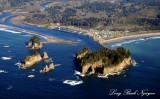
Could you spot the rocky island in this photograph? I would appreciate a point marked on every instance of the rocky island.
(30, 60)
(103, 61)
(34, 43)
(35, 58)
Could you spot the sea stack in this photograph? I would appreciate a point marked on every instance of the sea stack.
(104, 61)
(30, 60)
(45, 69)
(51, 66)
(46, 57)
(34, 43)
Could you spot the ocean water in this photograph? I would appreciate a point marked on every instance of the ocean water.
(65, 81)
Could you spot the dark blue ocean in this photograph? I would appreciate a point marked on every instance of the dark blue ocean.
(15, 83)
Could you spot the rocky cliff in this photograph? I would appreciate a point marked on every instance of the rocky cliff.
(46, 57)
(104, 60)
(47, 69)
(91, 68)
(117, 68)
(31, 60)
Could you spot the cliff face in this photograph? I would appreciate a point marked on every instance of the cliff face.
(93, 66)
(45, 55)
(113, 69)
(110, 69)
(30, 60)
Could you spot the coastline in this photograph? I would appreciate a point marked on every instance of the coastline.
(112, 40)
(95, 36)
(48, 38)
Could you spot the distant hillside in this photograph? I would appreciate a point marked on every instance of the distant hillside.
(113, 15)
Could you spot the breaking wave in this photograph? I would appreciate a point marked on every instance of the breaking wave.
(78, 73)
(109, 74)
(126, 42)
(134, 40)
(73, 82)
(11, 31)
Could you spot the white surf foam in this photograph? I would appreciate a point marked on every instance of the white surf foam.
(79, 40)
(51, 79)
(30, 76)
(33, 70)
(57, 64)
(72, 82)
(135, 64)
(9, 88)
(78, 73)
(107, 75)
(18, 64)
(6, 46)
(11, 31)
(153, 38)
(41, 71)
(3, 71)
(6, 58)
(126, 42)
(134, 40)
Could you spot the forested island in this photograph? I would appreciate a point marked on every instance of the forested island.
(104, 60)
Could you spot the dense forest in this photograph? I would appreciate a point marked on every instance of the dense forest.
(112, 15)
(123, 12)
(108, 56)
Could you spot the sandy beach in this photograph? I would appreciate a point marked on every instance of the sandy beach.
(48, 38)
(128, 37)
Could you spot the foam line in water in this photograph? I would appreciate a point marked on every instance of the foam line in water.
(30, 76)
(153, 38)
(72, 82)
(78, 73)
(11, 31)
(3, 71)
(6, 46)
(134, 40)
(106, 76)
(126, 42)
(6, 58)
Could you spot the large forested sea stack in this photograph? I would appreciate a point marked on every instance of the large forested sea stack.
(103, 61)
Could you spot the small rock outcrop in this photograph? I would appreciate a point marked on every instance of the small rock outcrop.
(51, 66)
(46, 57)
(30, 60)
(34, 43)
(47, 69)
